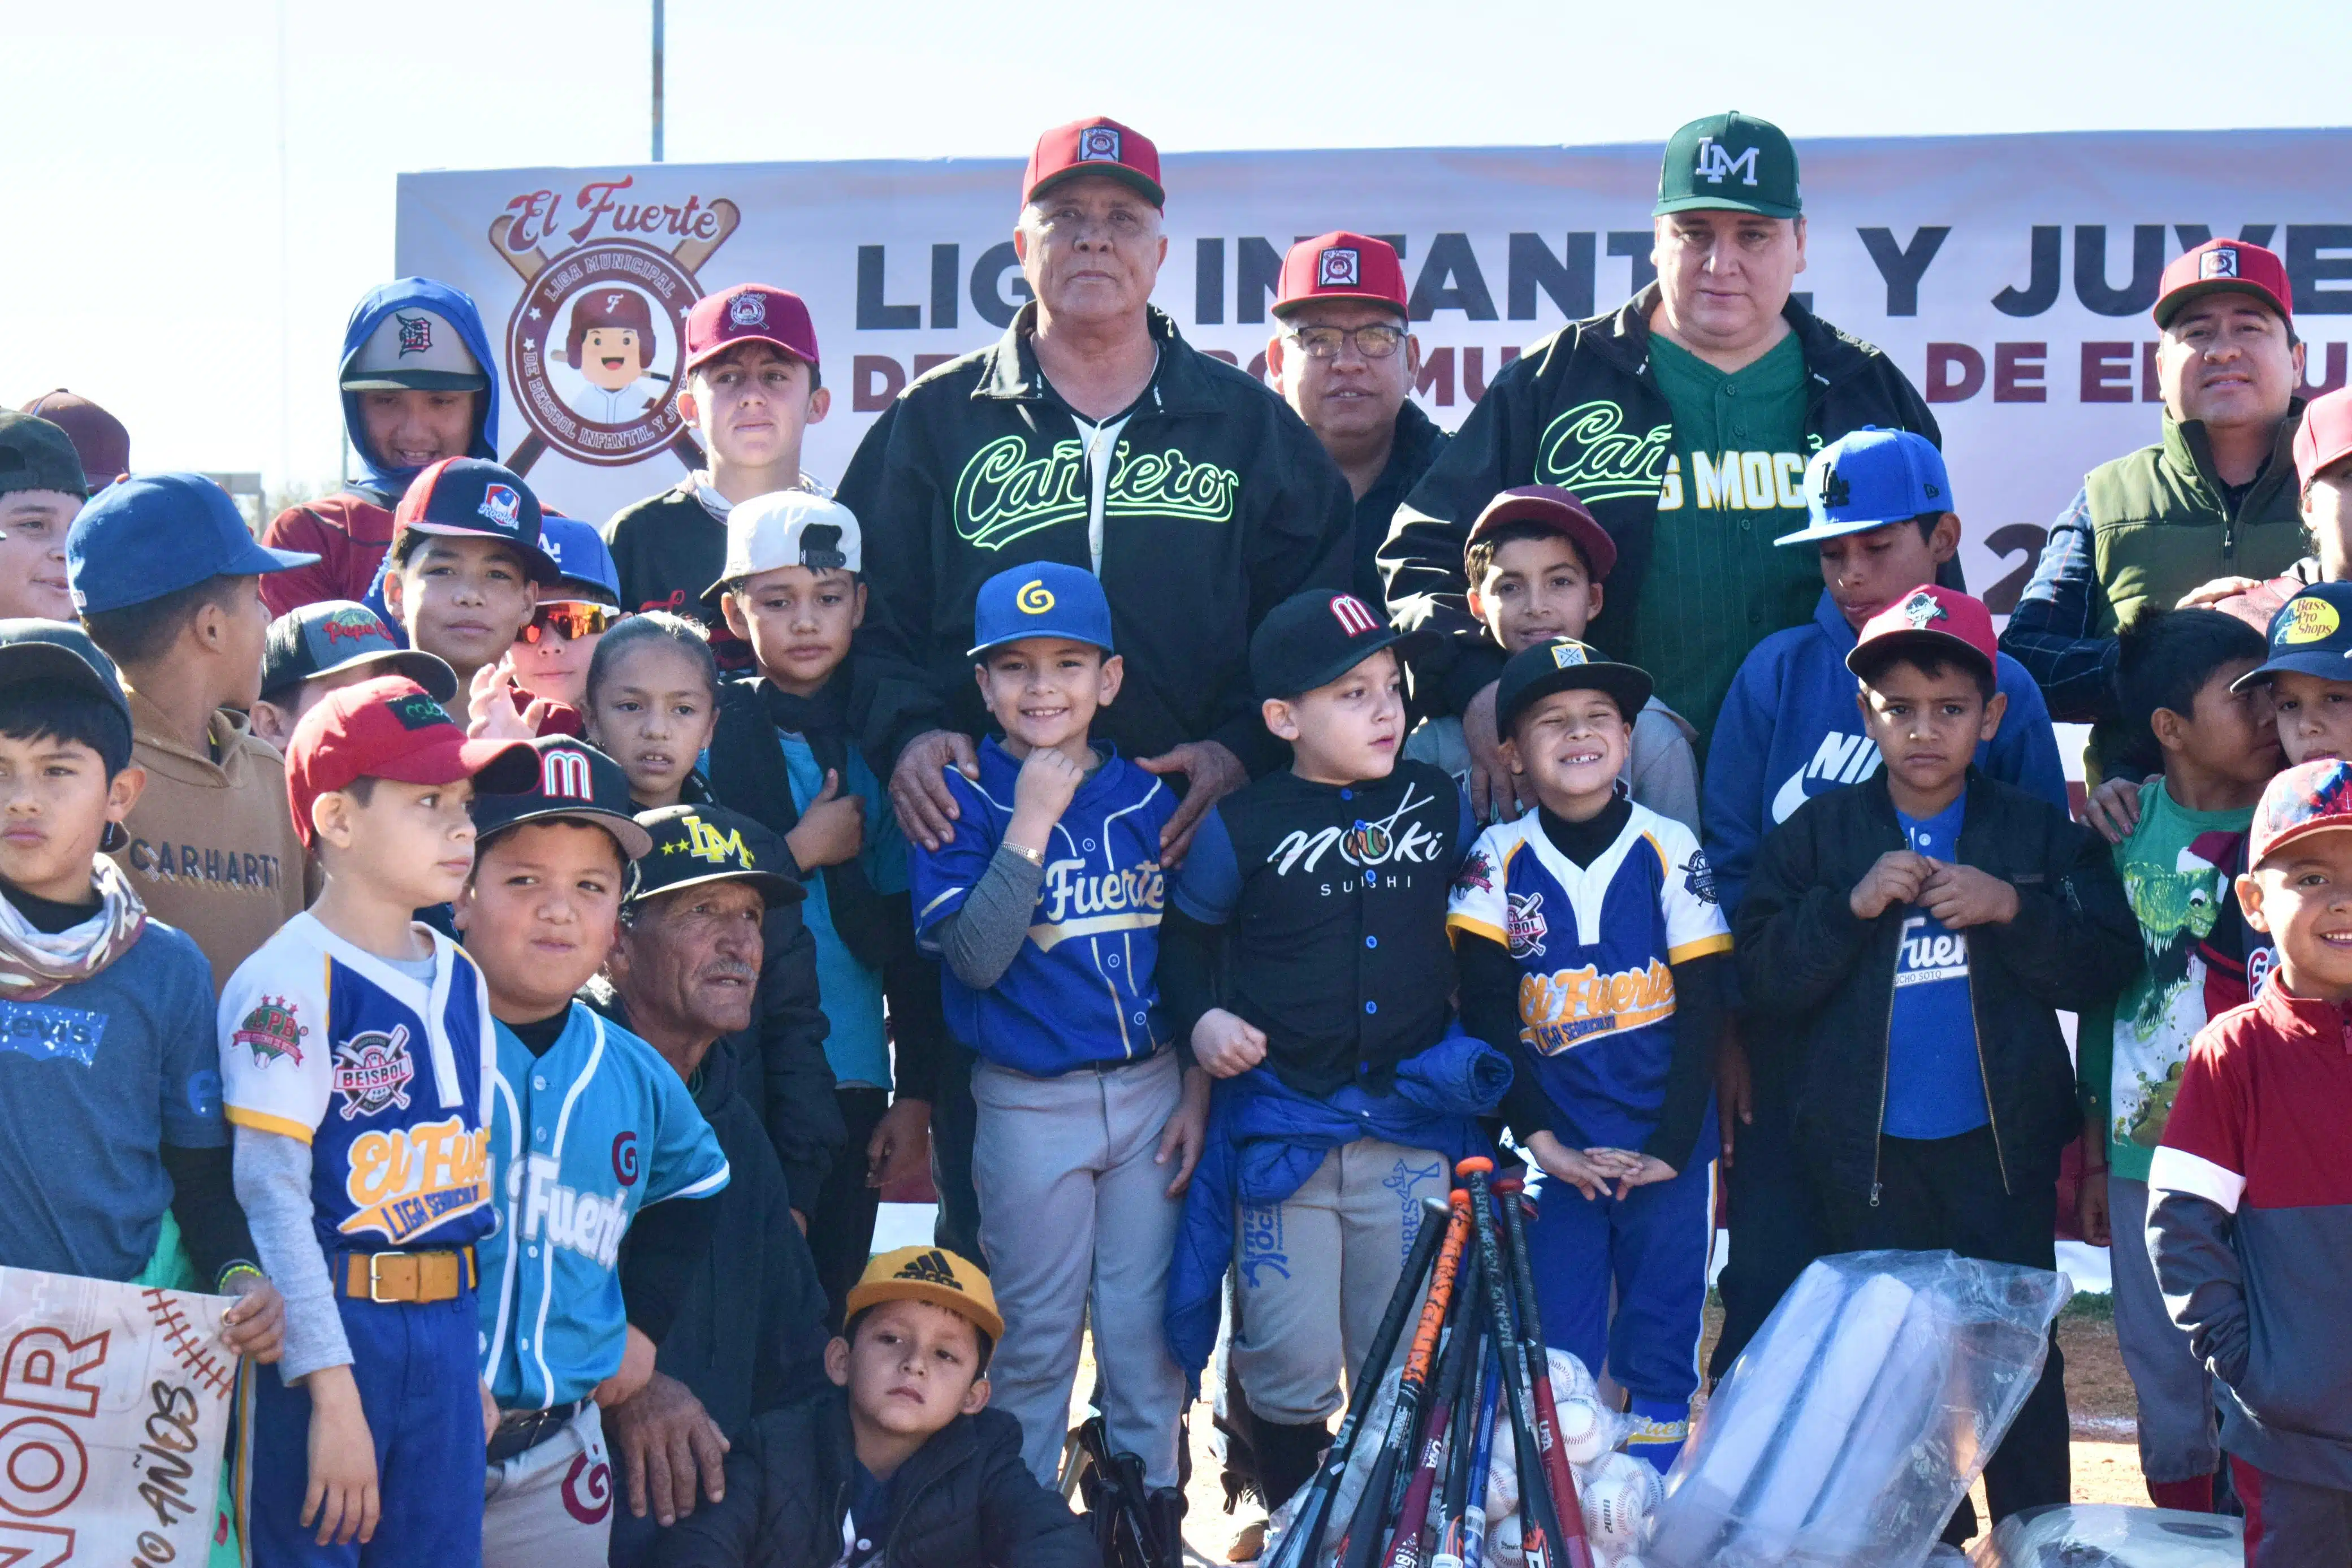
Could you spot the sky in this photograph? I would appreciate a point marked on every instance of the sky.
(201, 192)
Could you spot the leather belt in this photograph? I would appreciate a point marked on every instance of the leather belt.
(519, 1431)
(417, 1277)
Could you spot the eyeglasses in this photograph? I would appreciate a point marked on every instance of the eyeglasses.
(569, 620)
(1375, 341)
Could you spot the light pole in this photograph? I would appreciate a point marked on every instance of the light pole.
(657, 80)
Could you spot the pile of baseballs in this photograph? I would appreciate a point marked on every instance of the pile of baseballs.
(1619, 1491)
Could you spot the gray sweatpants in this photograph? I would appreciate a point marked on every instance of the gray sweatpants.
(1329, 1253)
(2178, 1439)
(1075, 1216)
(552, 1506)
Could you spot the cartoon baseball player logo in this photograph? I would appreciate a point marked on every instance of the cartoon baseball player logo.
(610, 345)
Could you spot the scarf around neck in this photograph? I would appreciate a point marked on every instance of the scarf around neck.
(34, 962)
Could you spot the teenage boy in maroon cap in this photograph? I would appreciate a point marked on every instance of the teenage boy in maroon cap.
(752, 388)
(1344, 356)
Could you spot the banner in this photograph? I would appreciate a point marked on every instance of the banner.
(114, 1404)
(2010, 276)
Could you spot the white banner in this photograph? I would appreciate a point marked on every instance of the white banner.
(2010, 276)
(114, 1404)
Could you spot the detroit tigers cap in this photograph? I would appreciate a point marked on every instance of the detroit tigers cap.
(790, 527)
(1097, 146)
(337, 635)
(390, 728)
(1044, 599)
(2323, 439)
(2224, 265)
(1932, 620)
(932, 1274)
(1343, 265)
(1553, 509)
(1868, 479)
(35, 455)
(582, 558)
(473, 496)
(153, 534)
(1311, 639)
(1565, 664)
(576, 783)
(414, 351)
(1731, 162)
(2310, 797)
(62, 657)
(749, 313)
(2310, 635)
(695, 844)
(98, 438)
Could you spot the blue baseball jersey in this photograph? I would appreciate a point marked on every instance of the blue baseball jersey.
(1595, 945)
(384, 1076)
(581, 1139)
(1082, 989)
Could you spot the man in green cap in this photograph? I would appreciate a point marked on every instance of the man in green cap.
(1683, 420)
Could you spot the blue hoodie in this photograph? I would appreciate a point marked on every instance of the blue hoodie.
(456, 307)
(1790, 730)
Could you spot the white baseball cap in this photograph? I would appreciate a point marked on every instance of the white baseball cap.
(414, 351)
(790, 527)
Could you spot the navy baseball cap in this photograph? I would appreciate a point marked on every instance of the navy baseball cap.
(153, 534)
(1565, 664)
(1868, 479)
(1044, 599)
(62, 657)
(1311, 639)
(2310, 635)
(576, 783)
(475, 497)
(337, 634)
(583, 558)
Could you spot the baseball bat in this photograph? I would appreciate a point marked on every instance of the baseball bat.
(1299, 1543)
(1407, 1549)
(1482, 1455)
(1362, 1540)
(1555, 1457)
(1449, 1348)
(1539, 1522)
(1451, 1499)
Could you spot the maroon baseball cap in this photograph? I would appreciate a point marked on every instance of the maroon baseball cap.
(749, 313)
(97, 436)
(1343, 265)
(1096, 146)
(390, 728)
(2324, 437)
(1934, 620)
(2223, 265)
(1556, 510)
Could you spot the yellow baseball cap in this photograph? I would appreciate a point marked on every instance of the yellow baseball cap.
(930, 1274)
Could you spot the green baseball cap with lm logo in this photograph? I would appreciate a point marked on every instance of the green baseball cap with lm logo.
(1733, 163)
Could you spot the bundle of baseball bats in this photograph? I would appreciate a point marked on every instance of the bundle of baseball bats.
(1476, 1358)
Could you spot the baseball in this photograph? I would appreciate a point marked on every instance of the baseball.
(1570, 1380)
(1583, 1430)
(1619, 1494)
(1502, 1475)
(1503, 1549)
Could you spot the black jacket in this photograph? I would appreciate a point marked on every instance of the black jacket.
(784, 1073)
(1220, 505)
(964, 1501)
(667, 549)
(1415, 446)
(1830, 976)
(1582, 410)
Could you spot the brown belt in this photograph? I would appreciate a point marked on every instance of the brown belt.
(421, 1278)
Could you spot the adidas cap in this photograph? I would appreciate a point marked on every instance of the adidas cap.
(930, 1274)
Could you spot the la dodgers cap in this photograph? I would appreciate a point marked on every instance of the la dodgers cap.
(336, 635)
(414, 351)
(2224, 265)
(35, 455)
(1868, 479)
(2311, 635)
(1044, 599)
(1932, 620)
(692, 845)
(1557, 509)
(474, 497)
(2323, 439)
(790, 527)
(2312, 796)
(1096, 146)
(1565, 664)
(1343, 265)
(62, 658)
(932, 1274)
(583, 560)
(576, 783)
(749, 313)
(98, 438)
(1730, 161)
(390, 728)
(1311, 639)
(153, 534)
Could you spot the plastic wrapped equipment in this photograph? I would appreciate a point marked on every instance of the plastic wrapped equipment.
(1858, 1416)
(2102, 1535)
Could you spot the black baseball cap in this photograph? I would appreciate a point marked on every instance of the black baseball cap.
(1311, 639)
(338, 635)
(475, 497)
(37, 455)
(696, 844)
(61, 656)
(1565, 664)
(576, 783)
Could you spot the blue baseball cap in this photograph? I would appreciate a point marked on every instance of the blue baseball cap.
(2310, 635)
(1044, 599)
(588, 572)
(153, 534)
(473, 498)
(1869, 478)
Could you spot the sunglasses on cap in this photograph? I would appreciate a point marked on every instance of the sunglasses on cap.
(571, 620)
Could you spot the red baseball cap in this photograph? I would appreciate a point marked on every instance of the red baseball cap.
(749, 313)
(1096, 146)
(2324, 437)
(2223, 265)
(98, 438)
(390, 728)
(1556, 510)
(1936, 620)
(1343, 265)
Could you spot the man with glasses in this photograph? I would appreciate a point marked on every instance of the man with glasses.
(1343, 355)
